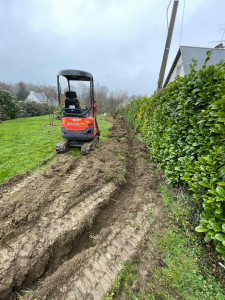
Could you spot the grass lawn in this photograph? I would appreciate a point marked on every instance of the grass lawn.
(25, 143)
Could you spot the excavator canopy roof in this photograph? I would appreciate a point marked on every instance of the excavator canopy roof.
(76, 75)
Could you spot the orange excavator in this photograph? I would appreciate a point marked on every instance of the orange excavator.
(79, 126)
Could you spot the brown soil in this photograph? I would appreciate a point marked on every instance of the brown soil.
(66, 232)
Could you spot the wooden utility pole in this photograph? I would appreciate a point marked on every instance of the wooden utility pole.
(167, 46)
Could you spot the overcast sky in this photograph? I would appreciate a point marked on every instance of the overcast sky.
(121, 42)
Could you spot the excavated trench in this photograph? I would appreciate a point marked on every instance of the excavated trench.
(66, 232)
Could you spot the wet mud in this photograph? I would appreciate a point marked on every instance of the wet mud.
(66, 232)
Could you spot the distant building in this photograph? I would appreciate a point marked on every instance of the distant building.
(37, 97)
(181, 64)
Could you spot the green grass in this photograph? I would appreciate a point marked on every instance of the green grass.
(104, 127)
(124, 280)
(187, 275)
(25, 143)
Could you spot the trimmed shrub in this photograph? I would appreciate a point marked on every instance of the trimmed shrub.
(184, 128)
(32, 109)
(8, 106)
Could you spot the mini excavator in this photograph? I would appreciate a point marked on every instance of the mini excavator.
(79, 126)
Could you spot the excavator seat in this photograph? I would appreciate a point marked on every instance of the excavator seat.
(72, 105)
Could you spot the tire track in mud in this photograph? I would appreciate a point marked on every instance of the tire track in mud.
(100, 271)
(36, 193)
(32, 251)
(89, 228)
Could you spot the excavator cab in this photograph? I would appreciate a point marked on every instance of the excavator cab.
(79, 125)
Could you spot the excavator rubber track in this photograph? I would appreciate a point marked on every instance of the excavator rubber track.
(88, 146)
(63, 146)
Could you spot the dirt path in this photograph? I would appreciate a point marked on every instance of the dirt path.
(66, 232)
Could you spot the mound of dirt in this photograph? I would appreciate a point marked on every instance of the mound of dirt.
(66, 232)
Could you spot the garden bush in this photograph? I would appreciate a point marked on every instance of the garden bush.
(8, 106)
(33, 109)
(184, 128)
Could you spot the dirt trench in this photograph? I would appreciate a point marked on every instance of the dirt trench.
(66, 232)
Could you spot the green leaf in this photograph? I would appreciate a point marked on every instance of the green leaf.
(220, 191)
(219, 211)
(215, 225)
(212, 192)
(196, 90)
(207, 238)
(221, 249)
(203, 183)
(220, 237)
(201, 228)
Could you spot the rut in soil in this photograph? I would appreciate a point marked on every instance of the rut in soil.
(68, 230)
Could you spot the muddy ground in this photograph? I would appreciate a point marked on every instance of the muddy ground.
(66, 232)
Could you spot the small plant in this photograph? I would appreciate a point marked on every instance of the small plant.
(27, 292)
(124, 279)
(121, 157)
(112, 176)
(148, 216)
(58, 113)
(94, 237)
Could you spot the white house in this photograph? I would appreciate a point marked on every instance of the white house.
(181, 64)
(38, 97)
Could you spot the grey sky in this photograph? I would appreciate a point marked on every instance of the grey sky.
(121, 42)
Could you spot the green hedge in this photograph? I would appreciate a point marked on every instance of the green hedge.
(184, 128)
(11, 109)
(32, 109)
(8, 106)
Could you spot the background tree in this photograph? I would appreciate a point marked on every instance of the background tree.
(101, 93)
(22, 91)
(6, 87)
(83, 93)
(115, 102)
(48, 90)
(134, 97)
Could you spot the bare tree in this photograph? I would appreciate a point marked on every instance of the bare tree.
(101, 93)
(83, 93)
(6, 87)
(22, 91)
(49, 91)
(115, 102)
(134, 97)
